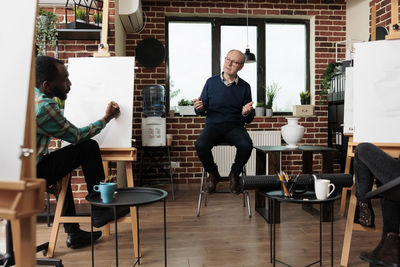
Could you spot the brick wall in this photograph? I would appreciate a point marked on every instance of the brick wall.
(330, 20)
(383, 12)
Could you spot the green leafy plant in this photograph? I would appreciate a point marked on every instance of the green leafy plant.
(80, 13)
(98, 17)
(327, 78)
(305, 97)
(260, 105)
(46, 31)
(184, 102)
(271, 91)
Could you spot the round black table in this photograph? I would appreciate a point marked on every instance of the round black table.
(129, 197)
(309, 198)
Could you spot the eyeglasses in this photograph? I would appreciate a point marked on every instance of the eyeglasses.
(234, 63)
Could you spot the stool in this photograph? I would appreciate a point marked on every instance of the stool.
(245, 193)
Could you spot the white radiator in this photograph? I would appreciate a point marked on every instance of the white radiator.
(225, 155)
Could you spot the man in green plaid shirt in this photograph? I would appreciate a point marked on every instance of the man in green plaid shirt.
(52, 81)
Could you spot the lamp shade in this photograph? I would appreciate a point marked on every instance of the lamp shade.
(250, 57)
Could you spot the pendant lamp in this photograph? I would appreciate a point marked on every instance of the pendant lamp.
(250, 57)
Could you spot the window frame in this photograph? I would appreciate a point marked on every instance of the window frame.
(216, 23)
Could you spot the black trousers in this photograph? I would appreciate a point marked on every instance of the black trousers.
(54, 166)
(369, 162)
(235, 135)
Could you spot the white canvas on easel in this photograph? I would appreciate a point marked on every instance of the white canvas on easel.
(14, 83)
(377, 92)
(96, 82)
(348, 103)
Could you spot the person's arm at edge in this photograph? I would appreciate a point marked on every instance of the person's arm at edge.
(204, 98)
(249, 117)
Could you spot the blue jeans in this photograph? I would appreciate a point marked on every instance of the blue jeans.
(369, 162)
(235, 135)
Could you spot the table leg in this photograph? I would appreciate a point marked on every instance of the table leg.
(137, 229)
(274, 231)
(165, 234)
(116, 235)
(320, 234)
(91, 233)
(332, 234)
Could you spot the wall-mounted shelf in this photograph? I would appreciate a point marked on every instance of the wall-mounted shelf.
(79, 34)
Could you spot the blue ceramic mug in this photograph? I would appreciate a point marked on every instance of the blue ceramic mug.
(106, 191)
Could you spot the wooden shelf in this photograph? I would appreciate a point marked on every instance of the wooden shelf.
(79, 34)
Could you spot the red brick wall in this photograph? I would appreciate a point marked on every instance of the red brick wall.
(383, 12)
(330, 20)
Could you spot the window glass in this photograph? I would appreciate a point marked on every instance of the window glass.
(286, 63)
(189, 50)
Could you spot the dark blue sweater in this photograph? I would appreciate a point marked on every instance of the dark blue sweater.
(224, 104)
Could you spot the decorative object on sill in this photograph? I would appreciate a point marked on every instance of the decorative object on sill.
(250, 57)
(329, 72)
(46, 31)
(292, 132)
(186, 107)
(303, 110)
(84, 12)
(260, 109)
(150, 52)
(271, 91)
(305, 97)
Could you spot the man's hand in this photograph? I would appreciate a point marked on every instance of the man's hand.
(198, 104)
(247, 108)
(112, 111)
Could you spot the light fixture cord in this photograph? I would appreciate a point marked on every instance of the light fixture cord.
(247, 22)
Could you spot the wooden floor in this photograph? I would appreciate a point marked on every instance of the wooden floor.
(223, 235)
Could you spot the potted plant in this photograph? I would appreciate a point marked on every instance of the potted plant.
(271, 91)
(46, 31)
(80, 15)
(305, 97)
(260, 109)
(328, 75)
(186, 107)
(98, 18)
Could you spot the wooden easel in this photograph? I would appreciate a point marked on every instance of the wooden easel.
(394, 28)
(21, 200)
(393, 149)
(127, 155)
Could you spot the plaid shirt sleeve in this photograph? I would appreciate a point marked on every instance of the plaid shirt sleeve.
(51, 122)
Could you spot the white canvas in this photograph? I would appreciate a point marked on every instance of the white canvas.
(377, 92)
(15, 65)
(348, 102)
(96, 82)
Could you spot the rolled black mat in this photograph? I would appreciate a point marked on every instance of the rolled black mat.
(272, 181)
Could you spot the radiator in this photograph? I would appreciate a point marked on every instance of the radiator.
(225, 155)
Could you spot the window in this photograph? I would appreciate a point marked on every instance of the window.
(197, 48)
(189, 48)
(285, 61)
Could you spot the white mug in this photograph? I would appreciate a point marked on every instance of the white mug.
(322, 188)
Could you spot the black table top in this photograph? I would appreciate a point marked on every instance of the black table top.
(135, 196)
(307, 197)
(299, 148)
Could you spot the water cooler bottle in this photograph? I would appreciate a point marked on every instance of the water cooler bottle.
(153, 124)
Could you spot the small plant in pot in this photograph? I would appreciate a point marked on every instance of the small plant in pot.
(186, 107)
(305, 97)
(80, 14)
(271, 91)
(98, 18)
(260, 109)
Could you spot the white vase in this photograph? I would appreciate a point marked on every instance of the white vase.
(260, 111)
(292, 132)
(268, 112)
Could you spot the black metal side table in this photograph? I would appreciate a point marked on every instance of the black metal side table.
(129, 197)
(307, 197)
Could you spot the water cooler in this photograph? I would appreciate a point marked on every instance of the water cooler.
(153, 124)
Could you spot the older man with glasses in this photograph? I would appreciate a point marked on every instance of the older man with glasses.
(226, 102)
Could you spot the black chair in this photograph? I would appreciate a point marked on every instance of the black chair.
(8, 258)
